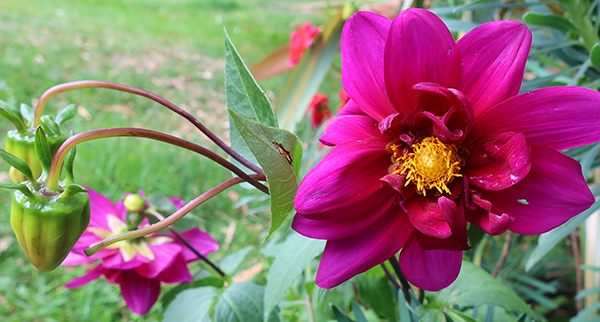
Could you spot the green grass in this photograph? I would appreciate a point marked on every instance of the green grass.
(173, 48)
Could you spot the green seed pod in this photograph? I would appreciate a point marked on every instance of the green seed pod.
(21, 144)
(48, 226)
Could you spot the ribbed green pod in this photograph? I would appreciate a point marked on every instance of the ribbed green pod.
(20, 144)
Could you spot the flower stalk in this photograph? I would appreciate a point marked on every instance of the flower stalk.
(172, 218)
(39, 109)
(53, 176)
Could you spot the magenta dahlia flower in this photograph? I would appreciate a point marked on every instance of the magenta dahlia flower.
(138, 266)
(435, 135)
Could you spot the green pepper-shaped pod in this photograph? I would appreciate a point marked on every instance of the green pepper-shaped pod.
(21, 144)
(47, 227)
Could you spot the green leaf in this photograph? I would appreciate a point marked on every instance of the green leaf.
(230, 263)
(307, 76)
(245, 97)
(358, 313)
(274, 149)
(67, 113)
(191, 305)
(42, 147)
(17, 164)
(17, 186)
(292, 257)
(68, 165)
(551, 21)
(595, 56)
(458, 316)
(13, 118)
(376, 293)
(206, 281)
(49, 125)
(27, 113)
(474, 286)
(339, 315)
(548, 240)
(242, 302)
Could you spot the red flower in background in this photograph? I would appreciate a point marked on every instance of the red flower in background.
(319, 109)
(300, 40)
(344, 98)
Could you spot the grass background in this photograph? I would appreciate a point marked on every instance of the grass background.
(171, 47)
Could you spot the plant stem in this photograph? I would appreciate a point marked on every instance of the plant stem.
(186, 243)
(53, 176)
(172, 218)
(578, 272)
(405, 286)
(39, 108)
(390, 277)
(504, 254)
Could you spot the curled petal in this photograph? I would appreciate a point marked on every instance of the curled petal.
(139, 293)
(419, 48)
(555, 117)
(428, 218)
(347, 177)
(431, 270)
(361, 46)
(553, 192)
(455, 217)
(485, 219)
(350, 256)
(498, 161)
(493, 59)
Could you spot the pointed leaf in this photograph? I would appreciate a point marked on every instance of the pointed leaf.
(595, 56)
(306, 77)
(358, 313)
(43, 149)
(191, 305)
(27, 113)
(18, 164)
(242, 302)
(474, 286)
(291, 260)
(50, 125)
(15, 119)
(274, 149)
(67, 113)
(339, 315)
(68, 164)
(551, 21)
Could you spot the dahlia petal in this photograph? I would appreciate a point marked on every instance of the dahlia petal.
(426, 216)
(431, 270)
(556, 117)
(350, 128)
(201, 241)
(343, 222)
(139, 293)
(164, 255)
(493, 62)
(553, 192)
(419, 48)
(100, 207)
(485, 219)
(361, 46)
(351, 109)
(348, 175)
(176, 273)
(117, 262)
(94, 274)
(498, 161)
(347, 257)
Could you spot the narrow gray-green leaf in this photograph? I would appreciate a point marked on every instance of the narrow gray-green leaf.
(274, 150)
(292, 257)
(67, 113)
(551, 21)
(191, 305)
(17, 164)
(358, 313)
(475, 286)
(42, 148)
(230, 263)
(339, 315)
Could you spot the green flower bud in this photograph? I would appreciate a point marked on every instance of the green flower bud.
(21, 145)
(134, 203)
(47, 226)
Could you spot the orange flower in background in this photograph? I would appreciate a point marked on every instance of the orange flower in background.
(318, 109)
(300, 40)
(344, 98)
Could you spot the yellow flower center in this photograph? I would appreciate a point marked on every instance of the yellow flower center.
(431, 164)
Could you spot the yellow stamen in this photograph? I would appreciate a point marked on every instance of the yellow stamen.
(431, 164)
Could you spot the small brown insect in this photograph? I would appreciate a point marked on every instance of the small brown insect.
(283, 152)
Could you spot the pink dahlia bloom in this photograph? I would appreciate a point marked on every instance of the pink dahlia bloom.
(319, 109)
(137, 266)
(435, 135)
(300, 40)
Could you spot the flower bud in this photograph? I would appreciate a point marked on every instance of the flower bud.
(134, 203)
(47, 226)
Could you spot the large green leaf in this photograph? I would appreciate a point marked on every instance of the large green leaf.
(474, 286)
(245, 97)
(376, 292)
(306, 77)
(274, 149)
(191, 305)
(292, 257)
(552, 21)
(242, 302)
